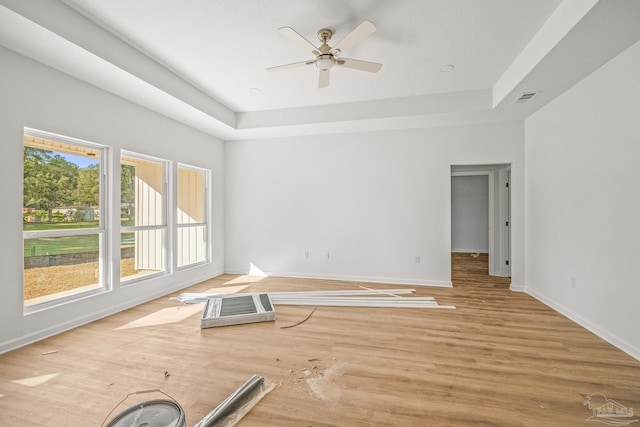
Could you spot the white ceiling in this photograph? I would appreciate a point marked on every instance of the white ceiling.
(224, 47)
(208, 55)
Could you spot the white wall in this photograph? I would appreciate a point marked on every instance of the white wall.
(36, 96)
(583, 202)
(373, 201)
(470, 213)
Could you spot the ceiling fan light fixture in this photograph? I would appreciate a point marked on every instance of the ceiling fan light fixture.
(325, 61)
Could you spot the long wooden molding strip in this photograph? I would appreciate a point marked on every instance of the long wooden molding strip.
(201, 298)
(350, 292)
(362, 302)
(399, 301)
(293, 295)
(382, 292)
(345, 298)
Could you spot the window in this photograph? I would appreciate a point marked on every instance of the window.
(63, 218)
(143, 204)
(67, 245)
(192, 216)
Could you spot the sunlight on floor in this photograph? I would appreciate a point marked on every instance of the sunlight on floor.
(245, 279)
(164, 316)
(179, 313)
(227, 290)
(35, 381)
(255, 275)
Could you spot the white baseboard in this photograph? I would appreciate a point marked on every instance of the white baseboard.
(95, 315)
(612, 339)
(346, 278)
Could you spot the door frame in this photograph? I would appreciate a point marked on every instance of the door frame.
(504, 184)
(499, 213)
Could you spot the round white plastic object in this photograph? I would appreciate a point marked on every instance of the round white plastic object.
(154, 413)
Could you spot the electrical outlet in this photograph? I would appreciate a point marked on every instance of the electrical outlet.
(573, 282)
(327, 255)
(416, 259)
(307, 254)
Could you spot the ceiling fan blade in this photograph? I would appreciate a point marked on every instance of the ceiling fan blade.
(289, 66)
(371, 67)
(323, 81)
(360, 32)
(291, 34)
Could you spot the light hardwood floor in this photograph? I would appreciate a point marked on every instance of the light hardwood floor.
(500, 358)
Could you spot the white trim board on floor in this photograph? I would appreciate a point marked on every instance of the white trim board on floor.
(387, 298)
(198, 297)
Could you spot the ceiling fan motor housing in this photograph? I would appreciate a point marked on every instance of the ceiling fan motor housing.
(325, 61)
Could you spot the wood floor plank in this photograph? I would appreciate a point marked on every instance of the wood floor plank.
(500, 358)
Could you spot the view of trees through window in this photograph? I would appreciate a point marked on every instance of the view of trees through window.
(64, 229)
(61, 218)
(52, 181)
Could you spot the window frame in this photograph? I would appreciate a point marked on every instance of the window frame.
(104, 284)
(166, 197)
(207, 215)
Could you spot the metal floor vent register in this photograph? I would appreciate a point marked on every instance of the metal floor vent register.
(237, 309)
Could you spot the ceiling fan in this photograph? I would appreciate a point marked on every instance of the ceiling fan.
(327, 56)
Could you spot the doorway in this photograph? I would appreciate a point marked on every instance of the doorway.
(480, 215)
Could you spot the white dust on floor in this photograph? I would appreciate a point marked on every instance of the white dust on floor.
(321, 382)
(320, 379)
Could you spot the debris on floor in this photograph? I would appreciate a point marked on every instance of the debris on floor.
(346, 298)
(238, 404)
(161, 412)
(234, 309)
(300, 322)
(320, 379)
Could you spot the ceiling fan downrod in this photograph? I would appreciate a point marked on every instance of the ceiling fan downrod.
(325, 59)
